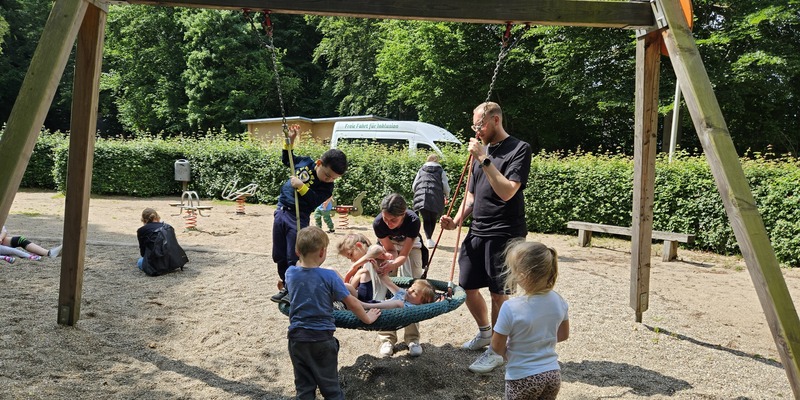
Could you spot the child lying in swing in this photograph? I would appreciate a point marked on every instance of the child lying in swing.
(420, 292)
(361, 279)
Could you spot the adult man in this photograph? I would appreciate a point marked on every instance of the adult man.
(496, 201)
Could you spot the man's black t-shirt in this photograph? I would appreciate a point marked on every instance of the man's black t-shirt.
(408, 229)
(491, 216)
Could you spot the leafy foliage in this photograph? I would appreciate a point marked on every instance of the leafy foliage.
(585, 186)
(176, 71)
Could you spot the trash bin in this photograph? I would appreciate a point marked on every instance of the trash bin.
(182, 171)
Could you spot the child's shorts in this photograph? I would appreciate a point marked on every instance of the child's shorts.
(365, 291)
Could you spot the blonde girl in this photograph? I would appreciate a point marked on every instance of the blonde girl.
(362, 276)
(529, 326)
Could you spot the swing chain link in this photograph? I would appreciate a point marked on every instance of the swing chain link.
(266, 24)
(505, 48)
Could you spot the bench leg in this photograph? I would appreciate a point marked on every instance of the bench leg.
(584, 237)
(670, 251)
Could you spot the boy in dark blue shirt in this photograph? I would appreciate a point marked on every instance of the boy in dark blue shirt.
(312, 290)
(313, 182)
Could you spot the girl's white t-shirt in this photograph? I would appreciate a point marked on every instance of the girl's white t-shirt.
(531, 324)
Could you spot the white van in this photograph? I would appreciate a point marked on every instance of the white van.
(412, 135)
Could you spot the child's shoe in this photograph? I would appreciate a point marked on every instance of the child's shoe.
(35, 257)
(487, 362)
(55, 251)
(9, 259)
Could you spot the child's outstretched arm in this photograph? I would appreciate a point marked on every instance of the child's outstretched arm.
(354, 305)
(354, 268)
(387, 281)
(294, 130)
(383, 305)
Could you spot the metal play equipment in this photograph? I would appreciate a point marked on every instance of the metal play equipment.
(354, 210)
(238, 195)
(190, 201)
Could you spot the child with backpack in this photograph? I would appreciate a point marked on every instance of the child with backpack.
(312, 347)
(158, 247)
(313, 182)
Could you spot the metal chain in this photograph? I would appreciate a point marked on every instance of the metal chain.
(271, 47)
(505, 48)
(267, 24)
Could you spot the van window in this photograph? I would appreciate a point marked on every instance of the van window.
(424, 146)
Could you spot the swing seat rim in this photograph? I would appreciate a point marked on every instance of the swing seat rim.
(396, 318)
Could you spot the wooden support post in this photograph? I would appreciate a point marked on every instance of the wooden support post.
(36, 95)
(584, 237)
(740, 206)
(648, 62)
(85, 94)
(670, 251)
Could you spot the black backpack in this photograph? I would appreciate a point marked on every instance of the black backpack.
(165, 255)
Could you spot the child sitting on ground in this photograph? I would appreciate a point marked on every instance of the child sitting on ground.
(312, 290)
(362, 276)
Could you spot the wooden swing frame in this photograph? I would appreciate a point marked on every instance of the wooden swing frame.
(656, 21)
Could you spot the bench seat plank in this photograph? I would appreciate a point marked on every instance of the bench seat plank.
(624, 231)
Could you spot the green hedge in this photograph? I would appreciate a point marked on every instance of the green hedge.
(562, 186)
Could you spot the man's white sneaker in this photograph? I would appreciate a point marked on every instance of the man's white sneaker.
(387, 349)
(431, 243)
(487, 362)
(414, 349)
(477, 343)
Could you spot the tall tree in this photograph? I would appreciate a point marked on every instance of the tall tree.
(348, 49)
(25, 20)
(141, 84)
(750, 49)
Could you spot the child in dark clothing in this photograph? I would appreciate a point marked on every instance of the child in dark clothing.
(313, 182)
(312, 290)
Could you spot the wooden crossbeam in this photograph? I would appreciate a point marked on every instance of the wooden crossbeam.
(608, 14)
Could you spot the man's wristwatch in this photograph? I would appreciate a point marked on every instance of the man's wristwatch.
(485, 163)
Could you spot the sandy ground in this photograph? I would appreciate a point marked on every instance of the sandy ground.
(210, 332)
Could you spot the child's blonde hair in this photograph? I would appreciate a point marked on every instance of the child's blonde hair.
(531, 265)
(310, 239)
(425, 289)
(150, 215)
(349, 242)
(433, 157)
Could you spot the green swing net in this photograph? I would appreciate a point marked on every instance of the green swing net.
(452, 296)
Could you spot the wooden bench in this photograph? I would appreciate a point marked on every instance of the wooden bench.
(670, 239)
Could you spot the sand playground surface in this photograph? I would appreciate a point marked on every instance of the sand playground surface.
(210, 331)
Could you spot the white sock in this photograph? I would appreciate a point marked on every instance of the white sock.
(485, 331)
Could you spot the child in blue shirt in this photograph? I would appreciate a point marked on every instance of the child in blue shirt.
(313, 182)
(312, 290)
